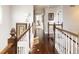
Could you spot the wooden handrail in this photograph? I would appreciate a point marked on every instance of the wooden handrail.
(23, 33)
(62, 30)
(6, 48)
(56, 24)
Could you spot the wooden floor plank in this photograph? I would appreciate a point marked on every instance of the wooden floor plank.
(44, 47)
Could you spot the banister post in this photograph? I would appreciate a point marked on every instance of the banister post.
(12, 39)
(54, 26)
(62, 25)
(29, 34)
(48, 31)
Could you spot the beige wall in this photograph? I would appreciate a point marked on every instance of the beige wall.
(71, 18)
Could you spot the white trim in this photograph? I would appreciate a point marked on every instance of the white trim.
(46, 32)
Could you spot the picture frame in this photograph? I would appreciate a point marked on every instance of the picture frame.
(50, 16)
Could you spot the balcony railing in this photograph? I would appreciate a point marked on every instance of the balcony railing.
(66, 42)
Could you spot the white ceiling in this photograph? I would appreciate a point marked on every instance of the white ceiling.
(45, 6)
(40, 8)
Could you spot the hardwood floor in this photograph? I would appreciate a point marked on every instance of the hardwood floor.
(45, 46)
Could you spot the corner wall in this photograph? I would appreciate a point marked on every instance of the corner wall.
(5, 26)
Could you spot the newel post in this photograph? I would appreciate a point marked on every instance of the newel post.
(29, 35)
(12, 39)
(54, 27)
(48, 31)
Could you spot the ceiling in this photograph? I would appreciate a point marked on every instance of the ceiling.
(45, 6)
(40, 8)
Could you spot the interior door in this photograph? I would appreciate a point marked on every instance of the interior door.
(20, 28)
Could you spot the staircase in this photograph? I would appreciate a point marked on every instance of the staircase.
(59, 41)
(19, 44)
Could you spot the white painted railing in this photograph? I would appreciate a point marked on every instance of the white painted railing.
(23, 45)
(66, 42)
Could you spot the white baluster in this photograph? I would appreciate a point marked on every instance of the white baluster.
(76, 45)
(72, 45)
(66, 44)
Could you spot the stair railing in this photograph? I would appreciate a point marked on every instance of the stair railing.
(20, 45)
(24, 41)
(66, 42)
(11, 48)
(51, 34)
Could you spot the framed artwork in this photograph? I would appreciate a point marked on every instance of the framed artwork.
(50, 16)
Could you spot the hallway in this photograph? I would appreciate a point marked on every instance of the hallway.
(35, 29)
(45, 45)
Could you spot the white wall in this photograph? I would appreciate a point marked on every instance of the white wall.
(20, 14)
(71, 18)
(55, 10)
(0, 14)
(10, 16)
(5, 26)
(47, 10)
